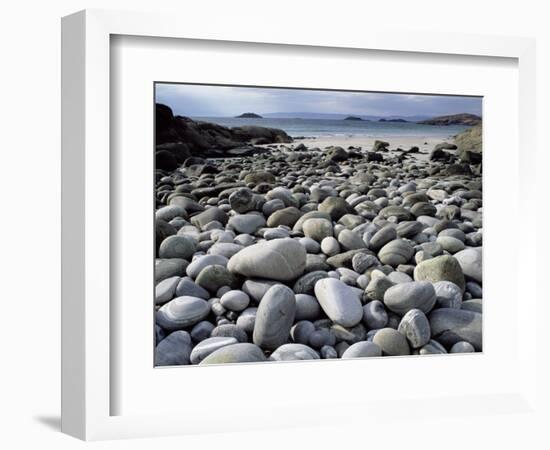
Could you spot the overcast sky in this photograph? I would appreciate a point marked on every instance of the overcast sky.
(221, 101)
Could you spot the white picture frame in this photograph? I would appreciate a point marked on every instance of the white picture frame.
(87, 325)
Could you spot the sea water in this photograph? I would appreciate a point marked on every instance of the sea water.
(336, 128)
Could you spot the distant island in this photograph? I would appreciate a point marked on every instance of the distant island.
(353, 118)
(249, 115)
(393, 120)
(454, 119)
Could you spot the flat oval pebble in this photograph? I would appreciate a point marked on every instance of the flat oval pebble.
(403, 297)
(307, 307)
(317, 229)
(182, 312)
(391, 342)
(339, 302)
(235, 353)
(294, 352)
(416, 328)
(208, 346)
(173, 350)
(462, 347)
(470, 261)
(440, 268)
(375, 315)
(235, 300)
(195, 267)
(177, 247)
(278, 259)
(166, 289)
(432, 348)
(274, 317)
(396, 252)
(363, 349)
(448, 295)
(246, 319)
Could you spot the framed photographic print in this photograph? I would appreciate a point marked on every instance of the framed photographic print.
(296, 230)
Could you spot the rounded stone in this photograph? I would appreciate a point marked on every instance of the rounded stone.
(321, 337)
(165, 290)
(306, 283)
(173, 350)
(201, 330)
(317, 229)
(470, 261)
(301, 331)
(448, 295)
(287, 217)
(182, 312)
(294, 352)
(307, 307)
(382, 237)
(226, 249)
(166, 268)
(440, 268)
(339, 302)
(364, 349)
(416, 328)
(349, 240)
(330, 246)
(235, 353)
(310, 245)
(177, 247)
(396, 211)
(229, 330)
(208, 346)
(462, 347)
(328, 352)
(450, 244)
(274, 317)
(246, 223)
(391, 342)
(167, 213)
(409, 228)
(256, 288)
(214, 277)
(195, 267)
(242, 200)
(377, 287)
(450, 326)
(396, 252)
(188, 288)
(336, 207)
(403, 297)
(375, 315)
(246, 319)
(362, 261)
(432, 348)
(235, 300)
(475, 304)
(278, 259)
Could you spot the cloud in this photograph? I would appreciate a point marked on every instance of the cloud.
(207, 100)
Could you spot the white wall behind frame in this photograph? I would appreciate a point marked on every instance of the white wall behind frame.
(31, 52)
(138, 62)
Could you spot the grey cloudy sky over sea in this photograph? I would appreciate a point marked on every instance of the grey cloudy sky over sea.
(222, 101)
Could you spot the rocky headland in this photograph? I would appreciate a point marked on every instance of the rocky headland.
(454, 119)
(178, 138)
(307, 253)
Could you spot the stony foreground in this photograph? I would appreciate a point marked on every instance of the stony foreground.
(302, 253)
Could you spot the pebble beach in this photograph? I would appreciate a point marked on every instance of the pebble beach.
(319, 249)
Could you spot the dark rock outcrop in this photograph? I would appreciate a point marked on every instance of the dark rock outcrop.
(454, 119)
(249, 115)
(183, 137)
